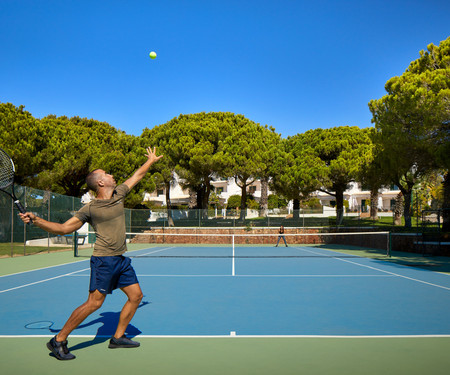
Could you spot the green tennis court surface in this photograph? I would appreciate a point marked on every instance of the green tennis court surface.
(242, 356)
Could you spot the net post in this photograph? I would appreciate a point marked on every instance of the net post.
(75, 244)
(232, 258)
(389, 247)
(12, 228)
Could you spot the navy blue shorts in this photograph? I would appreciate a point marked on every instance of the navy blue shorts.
(109, 273)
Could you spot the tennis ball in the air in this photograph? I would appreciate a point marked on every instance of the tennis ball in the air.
(152, 55)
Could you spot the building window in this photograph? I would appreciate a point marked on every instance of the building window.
(394, 188)
(392, 204)
(252, 189)
(364, 207)
(160, 192)
(219, 190)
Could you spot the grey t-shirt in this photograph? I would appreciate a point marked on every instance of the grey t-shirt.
(107, 216)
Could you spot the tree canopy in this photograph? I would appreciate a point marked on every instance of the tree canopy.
(248, 153)
(328, 160)
(56, 153)
(412, 123)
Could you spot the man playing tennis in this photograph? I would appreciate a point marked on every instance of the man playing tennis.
(109, 268)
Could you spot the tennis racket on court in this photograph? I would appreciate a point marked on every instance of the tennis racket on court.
(7, 171)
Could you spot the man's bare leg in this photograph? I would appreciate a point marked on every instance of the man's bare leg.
(134, 294)
(93, 303)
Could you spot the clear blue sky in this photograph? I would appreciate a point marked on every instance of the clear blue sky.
(294, 65)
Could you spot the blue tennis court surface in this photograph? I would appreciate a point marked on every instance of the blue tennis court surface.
(300, 291)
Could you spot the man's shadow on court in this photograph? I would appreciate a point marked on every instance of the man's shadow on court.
(108, 321)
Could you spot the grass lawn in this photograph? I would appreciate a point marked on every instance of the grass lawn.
(18, 249)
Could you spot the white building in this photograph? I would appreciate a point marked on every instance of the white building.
(178, 195)
(358, 198)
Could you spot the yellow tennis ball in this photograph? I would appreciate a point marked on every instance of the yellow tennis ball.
(152, 55)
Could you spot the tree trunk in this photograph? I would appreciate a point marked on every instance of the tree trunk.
(407, 194)
(192, 199)
(296, 207)
(407, 209)
(446, 203)
(264, 203)
(339, 206)
(398, 209)
(200, 195)
(374, 204)
(169, 206)
(243, 202)
(205, 203)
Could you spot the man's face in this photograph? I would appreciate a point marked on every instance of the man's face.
(107, 179)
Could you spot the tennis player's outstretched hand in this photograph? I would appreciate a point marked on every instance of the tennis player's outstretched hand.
(151, 155)
(143, 169)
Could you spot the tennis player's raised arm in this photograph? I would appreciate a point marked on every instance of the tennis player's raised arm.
(69, 226)
(143, 169)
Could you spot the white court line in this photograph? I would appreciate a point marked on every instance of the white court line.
(42, 281)
(398, 275)
(305, 276)
(390, 273)
(218, 275)
(245, 336)
(314, 276)
(44, 268)
(151, 252)
(77, 261)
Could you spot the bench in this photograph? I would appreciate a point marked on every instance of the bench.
(81, 238)
(432, 241)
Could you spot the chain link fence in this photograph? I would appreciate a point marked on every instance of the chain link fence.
(16, 238)
(19, 239)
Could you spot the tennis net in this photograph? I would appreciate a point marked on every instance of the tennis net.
(212, 245)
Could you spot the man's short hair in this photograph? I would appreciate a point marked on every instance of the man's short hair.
(91, 180)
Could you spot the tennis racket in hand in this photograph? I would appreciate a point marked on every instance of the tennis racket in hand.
(7, 178)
